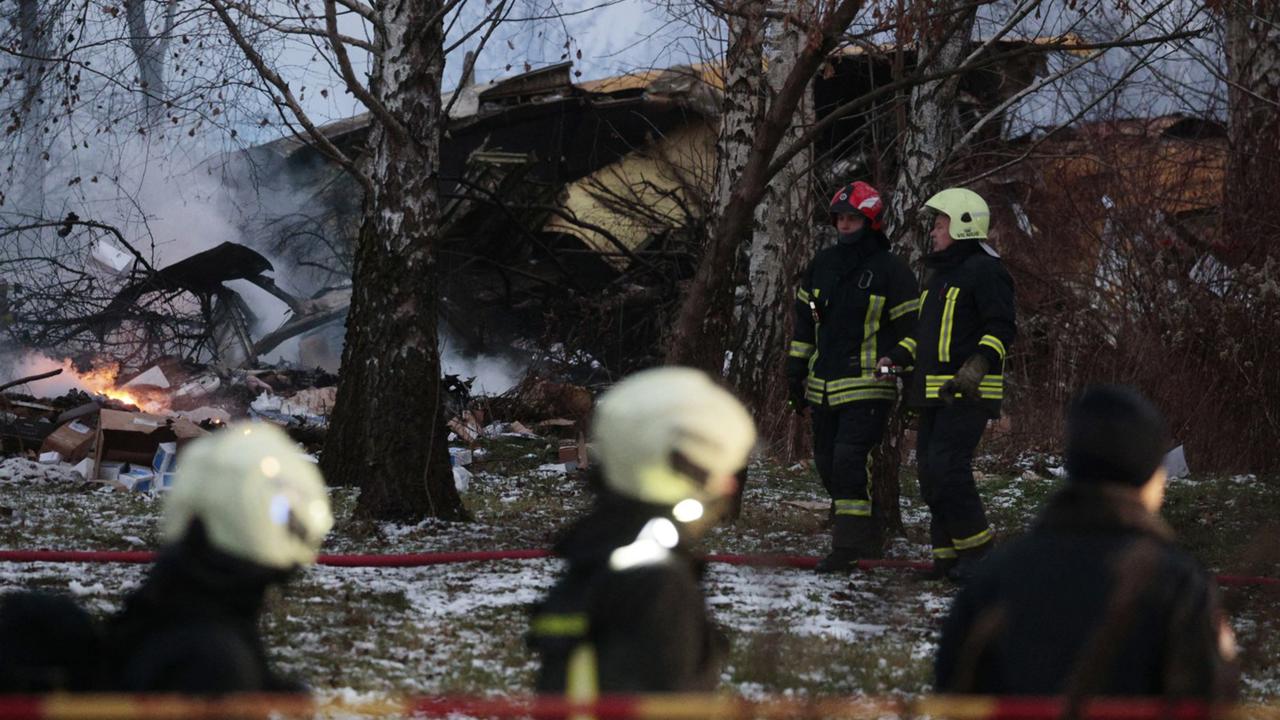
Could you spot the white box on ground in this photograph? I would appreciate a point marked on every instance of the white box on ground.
(138, 479)
(1175, 462)
(52, 457)
(110, 471)
(166, 454)
(84, 468)
(461, 478)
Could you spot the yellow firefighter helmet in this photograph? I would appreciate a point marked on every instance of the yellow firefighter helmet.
(663, 433)
(969, 213)
(257, 496)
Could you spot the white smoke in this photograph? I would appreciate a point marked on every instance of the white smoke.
(22, 364)
(494, 374)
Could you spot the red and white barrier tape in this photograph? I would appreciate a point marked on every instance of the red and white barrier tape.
(618, 707)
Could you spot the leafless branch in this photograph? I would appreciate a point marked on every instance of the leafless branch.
(389, 121)
(259, 64)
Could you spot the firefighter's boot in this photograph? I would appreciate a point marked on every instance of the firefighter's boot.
(967, 564)
(853, 538)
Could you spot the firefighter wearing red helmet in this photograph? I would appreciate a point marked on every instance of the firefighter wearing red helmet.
(856, 300)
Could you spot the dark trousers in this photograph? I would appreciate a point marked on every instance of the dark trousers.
(842, 440)
(947, 439)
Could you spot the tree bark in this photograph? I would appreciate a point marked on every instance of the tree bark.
(781, 241)
(30, 179)
(149, 51)
(931, 130)
(1251, 217)
(387, 433)
(704, 326)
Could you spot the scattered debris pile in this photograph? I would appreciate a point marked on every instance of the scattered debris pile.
(126, 431)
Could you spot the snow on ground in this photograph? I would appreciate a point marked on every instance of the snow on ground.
(362, 633)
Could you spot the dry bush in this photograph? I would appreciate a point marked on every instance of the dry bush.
(1119, 281)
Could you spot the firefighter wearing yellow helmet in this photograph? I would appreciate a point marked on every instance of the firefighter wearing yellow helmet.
(965, 327)
(628, 614)
(246, 511)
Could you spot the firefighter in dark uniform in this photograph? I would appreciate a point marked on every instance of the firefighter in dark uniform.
(246, 511)
(856, 300)
(965, 328)
(628, 614)
(1097, 599)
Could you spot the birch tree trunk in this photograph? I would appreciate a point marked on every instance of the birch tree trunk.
(1251, 217)
(29, 182)
(704, 326)
(387, 433)
(149, 52)
(780, 243)
(932, 129)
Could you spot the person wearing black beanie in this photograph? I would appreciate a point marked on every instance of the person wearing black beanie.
(1096, 599)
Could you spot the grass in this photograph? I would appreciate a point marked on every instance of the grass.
(461, 628)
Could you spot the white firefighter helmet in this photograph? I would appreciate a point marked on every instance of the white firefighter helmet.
(258, 498)
(661, 434)
(970, 216)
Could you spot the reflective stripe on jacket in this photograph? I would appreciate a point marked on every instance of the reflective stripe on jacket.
(967, 308)
(854, 303)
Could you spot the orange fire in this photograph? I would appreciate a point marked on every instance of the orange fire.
(102, 381)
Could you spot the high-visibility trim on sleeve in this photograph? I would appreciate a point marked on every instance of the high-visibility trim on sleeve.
(910, 345)
(560, 625)
(803, 295)
(994, 343)
(801, 349)
(901, 309)
(945, 553)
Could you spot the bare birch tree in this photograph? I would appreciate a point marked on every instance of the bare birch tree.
(387, 433)
(783, 235)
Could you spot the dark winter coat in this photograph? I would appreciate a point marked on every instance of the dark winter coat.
(192, 627)
(645, 627)
(47, 643)
(966, 308)
(1095, 600)
(855, 302)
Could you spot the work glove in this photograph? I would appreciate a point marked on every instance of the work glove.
(884, 369)
(795, 394)
(965, 383)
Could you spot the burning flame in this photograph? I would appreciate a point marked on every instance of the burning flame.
(102, 381)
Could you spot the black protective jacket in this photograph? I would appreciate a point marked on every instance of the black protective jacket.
(966, 308)
(192, 627)
(855, 302)
(639, 628)
(1095, 600)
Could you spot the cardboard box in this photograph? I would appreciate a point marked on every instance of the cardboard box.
(129, 437)
(72, 441)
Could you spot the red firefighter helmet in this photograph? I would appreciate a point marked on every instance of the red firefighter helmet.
(859, 198)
